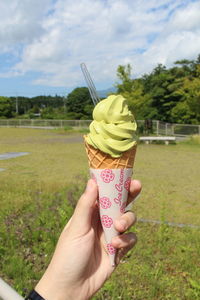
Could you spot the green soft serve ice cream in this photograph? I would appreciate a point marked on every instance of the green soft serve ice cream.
(113, 128)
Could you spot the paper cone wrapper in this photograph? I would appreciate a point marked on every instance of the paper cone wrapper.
(113, 185)
(113, 177)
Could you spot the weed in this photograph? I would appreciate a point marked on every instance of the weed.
(192, 140)
(68, 128)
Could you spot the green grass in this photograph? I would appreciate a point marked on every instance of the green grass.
(48, 167)
(38, 193)
(170, 177)
(161, 266)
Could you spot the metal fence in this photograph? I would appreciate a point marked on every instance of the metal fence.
(169, 129)
(37, 123)
(144, 128)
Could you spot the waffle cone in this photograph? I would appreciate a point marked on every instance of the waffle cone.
(100, 160)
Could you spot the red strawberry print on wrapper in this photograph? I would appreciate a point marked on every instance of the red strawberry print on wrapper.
(106, 221)
(111, 249)
(105, 202)
(107, 175)
(127, 183)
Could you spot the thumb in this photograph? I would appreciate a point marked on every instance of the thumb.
(81, 220)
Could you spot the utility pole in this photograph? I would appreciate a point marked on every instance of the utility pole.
(64, 101)
(17, 109)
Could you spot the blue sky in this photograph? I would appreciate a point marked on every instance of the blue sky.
(43, 42)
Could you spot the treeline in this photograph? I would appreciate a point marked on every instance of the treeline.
(24, 106)
(77, 105)
(170, 95)
(166, 94)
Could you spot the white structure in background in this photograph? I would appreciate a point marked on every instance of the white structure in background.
(8, 293)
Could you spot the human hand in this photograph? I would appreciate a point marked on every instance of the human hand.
(80, 264)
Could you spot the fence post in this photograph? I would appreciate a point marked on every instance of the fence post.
(199, 129)
(166, 131)
(157, 127)
(172, 129)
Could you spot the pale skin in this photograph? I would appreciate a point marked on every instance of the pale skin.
(80, 264)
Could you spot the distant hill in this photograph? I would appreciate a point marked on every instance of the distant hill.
(104, 93)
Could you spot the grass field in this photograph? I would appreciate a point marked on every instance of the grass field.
(39, 191)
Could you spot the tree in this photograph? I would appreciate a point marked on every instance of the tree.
(170, 95)
(79, 102)
(192, 95)
(5, 107)
(188, 109)
(132, 90)
(159, 85)
(124, 74)
(48, 113)
(197, 67)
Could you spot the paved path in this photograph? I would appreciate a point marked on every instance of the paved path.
(9, 155)
(180, 225)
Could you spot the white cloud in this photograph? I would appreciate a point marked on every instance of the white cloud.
(179, 38)
(102, 33)
(21, 22)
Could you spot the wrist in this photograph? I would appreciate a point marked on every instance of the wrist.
(49, 291)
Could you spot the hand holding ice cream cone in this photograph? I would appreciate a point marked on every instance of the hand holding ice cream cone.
(80, 264)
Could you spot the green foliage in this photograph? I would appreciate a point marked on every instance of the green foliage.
(124, 74)
(163, 265)
(181, 113)
(79, 102)
(77, 105)
(48, 113)
(36, 104)
(133, 90)
(68, 128)
(160, 85)
(193, 140)
(29, 232)
(5, 107)
(171, 95)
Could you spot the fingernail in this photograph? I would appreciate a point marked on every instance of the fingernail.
(123, 223)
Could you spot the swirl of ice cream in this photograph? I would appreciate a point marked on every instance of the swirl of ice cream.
(113, 128)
